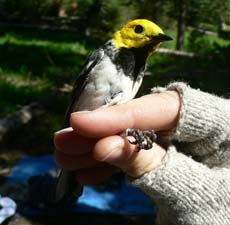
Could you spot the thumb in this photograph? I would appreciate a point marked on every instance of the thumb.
(117, 151)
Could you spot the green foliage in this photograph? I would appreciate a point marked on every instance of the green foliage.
(34, 64)
(17, 92)
(203, 44)
(203, 13)
(224, 34)
(208, 11)
(28, 9)
(102, 17)
(198, 43)
(209, 72)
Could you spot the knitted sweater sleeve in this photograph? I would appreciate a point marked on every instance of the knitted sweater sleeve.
(187, 191)
(203, 129)
(204, 124)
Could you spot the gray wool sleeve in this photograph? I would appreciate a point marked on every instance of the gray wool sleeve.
(202, 115)
(187, 192)
(203, 129)
(192, 185)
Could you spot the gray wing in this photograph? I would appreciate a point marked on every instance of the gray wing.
(94, 59)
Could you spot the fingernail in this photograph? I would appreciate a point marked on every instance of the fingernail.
(68, 129)
(79, 112)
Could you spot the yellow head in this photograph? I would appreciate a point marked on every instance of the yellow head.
(140, 33)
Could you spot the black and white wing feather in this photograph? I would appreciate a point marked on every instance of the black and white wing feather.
(93, 59)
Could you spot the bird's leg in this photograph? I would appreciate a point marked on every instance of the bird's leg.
(144, 139)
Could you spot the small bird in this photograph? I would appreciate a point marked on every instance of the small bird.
(111, 75)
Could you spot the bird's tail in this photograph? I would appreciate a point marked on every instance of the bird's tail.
(54, 190)
(67, 190)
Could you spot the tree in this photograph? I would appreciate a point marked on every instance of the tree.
(181, 24)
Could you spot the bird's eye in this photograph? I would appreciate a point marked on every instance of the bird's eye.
(138, 29)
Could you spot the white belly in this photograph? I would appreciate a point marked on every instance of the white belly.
(105, 87)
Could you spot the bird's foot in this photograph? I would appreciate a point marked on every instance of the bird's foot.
(144, 139)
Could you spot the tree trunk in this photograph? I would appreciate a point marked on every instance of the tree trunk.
(181, 25)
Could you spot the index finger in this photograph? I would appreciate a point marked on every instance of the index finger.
(154, 111)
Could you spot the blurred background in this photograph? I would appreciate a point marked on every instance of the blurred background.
(44, 43)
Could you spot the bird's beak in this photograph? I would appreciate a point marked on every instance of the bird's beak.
(161, 38)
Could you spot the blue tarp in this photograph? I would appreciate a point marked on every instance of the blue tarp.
(124, 200)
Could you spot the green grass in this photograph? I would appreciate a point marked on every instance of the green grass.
(39, 57)
(31, 66)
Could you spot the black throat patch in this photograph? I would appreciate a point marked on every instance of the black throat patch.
(132, 61)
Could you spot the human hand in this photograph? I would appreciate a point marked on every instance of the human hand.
(92, 147)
